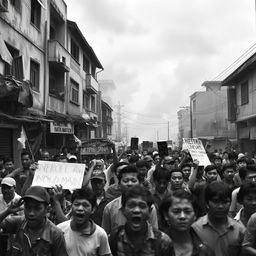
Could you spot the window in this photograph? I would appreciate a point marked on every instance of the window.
(194, 105)
(16, 4)
(86, 65)
(74, 91)
(244, 93)
(34, 75)
(93, 103)
(94, 72)
(74, 50)
(109, 130)
(35, 13)
(86, 101)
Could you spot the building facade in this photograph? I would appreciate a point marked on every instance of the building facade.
(209, 116)
(39, 44)
(241, 87)
(184, 124)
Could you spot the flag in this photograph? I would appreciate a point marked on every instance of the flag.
(22, 139)
(79, 142)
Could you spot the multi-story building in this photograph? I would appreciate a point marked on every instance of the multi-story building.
(39, 44)
(184, 124)
(242, 103)
(107, 120)
(209, 117)
(108, 89)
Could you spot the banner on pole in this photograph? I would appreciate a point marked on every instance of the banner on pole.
(49, 174)
(196, 150)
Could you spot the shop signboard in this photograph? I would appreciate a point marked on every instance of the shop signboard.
(63, 128)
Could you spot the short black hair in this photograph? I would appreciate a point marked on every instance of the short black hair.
(246, 189)
(135, 192)
(8, 159)
(114, 168)
(185, 165)
(217, 157)
(168, 200)
(141, 163)
(209, 168)
(161, 173)
(228, 166)
(217, 189)
(244, 170)
(25, 153)
(127, 169)
(133, 159)
(241, 159)
(84, 193)
(176, 170)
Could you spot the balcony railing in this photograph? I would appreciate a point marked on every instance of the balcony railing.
(58, 55)
(92, 85)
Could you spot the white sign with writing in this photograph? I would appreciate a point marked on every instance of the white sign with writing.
(69, 175)
(64, 128)
(196, 150)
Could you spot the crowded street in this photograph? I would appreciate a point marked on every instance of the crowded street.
(127, 128)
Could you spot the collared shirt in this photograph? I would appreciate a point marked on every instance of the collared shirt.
(89, 242)
(113, 216)
(98, 212)
(50, 242)
(4, 205)
(250, 233)
(199, 248)
(225, 241)
(158, 199)
(153, 244)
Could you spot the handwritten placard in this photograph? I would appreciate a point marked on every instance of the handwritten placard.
(69, 175)
(95, 147)
(196, 150)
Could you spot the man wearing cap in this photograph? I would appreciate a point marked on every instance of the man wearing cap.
(35, 234)
(98, 181)
(8, 195)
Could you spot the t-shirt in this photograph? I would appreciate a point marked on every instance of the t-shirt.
(90, 243)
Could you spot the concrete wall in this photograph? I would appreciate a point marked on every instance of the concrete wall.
(209, 118)
(17, 31)
(247, 110)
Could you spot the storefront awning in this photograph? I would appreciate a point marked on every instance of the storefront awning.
(59, 117)
(19, 119)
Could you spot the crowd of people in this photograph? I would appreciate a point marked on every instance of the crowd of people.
(136, 204)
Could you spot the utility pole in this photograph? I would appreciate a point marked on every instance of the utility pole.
(119, 130)
(157, 135)
(168, 131)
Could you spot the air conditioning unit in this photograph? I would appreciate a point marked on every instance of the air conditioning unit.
(62, 59)
(3, 5)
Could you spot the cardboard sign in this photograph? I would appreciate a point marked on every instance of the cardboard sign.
(69, 175)
(196, 150)
(162, 148)
(147, 145)
(95, 147)
(134, 143)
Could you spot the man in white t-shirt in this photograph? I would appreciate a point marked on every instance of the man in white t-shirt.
(83, 237)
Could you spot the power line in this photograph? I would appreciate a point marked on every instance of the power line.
(245, 54)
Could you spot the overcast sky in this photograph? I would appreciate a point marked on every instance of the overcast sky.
(159, 52)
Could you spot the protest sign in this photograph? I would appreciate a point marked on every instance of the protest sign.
(69, 175)
(95, 147)
(134, 143)
(162, 148)
(196, 150)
